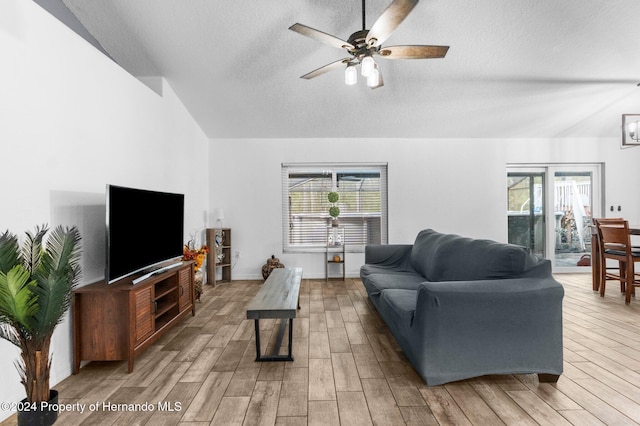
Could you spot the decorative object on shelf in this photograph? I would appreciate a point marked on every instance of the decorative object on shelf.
(334, 210)
(271, 264)
(36, 283)
(219, 239)
(218, 213)
(198, 256)
(336, 258)
(630, 129)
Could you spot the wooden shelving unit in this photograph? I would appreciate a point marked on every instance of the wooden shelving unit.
(219, 243)
(335, 246)
(118, 321)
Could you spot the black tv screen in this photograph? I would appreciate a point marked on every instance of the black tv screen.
(144, 230)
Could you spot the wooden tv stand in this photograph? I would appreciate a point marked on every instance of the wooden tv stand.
(114, 322)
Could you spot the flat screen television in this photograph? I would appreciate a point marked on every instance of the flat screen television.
(145, 230)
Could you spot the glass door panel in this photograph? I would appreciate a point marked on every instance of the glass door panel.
(526, 212)
(573, 201)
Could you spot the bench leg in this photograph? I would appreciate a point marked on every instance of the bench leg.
(257, 324)
(276, 356)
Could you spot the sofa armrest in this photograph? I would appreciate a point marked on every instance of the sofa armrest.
(462, 301)
(462, 328)
(387, 254)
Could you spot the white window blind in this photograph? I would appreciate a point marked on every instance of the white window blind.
(305, 209)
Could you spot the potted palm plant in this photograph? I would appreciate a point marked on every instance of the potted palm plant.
(36, 283)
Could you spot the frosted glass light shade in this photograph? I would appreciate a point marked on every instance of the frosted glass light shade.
(368, 64)
(373, 79)
(350, 75)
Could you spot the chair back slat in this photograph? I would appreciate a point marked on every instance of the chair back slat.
(614, 234)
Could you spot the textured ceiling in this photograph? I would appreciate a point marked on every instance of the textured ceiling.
(515, 68)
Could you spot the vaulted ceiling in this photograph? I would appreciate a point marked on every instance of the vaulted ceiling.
(515, 68)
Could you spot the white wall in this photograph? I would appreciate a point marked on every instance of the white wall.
(450, 185)
(72, 121)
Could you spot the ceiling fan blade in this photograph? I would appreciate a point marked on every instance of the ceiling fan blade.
(325, 69)
(393, 15)
(413, 52)
(321, 36)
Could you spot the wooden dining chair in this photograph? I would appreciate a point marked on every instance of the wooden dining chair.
(599, 263)
(615, 244)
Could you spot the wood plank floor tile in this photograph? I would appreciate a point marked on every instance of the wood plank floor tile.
(353, 408)
(418, 416)
(294, 393)
(263, 405)
(205, 403)
(382, 406)
(443, 406)
(231, 411)
(321, 383)
(540, 411)
(319, 344)
(502, 404)
(334, 318)
(323, 413)
(338, 340)
(345, 373)
(473, 406)
(366, 362)
(199, 369)
(317, 321)
(243, 381)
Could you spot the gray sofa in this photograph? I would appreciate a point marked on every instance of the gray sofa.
(461, 307)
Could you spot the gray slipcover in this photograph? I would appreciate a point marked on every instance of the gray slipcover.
(461, 307)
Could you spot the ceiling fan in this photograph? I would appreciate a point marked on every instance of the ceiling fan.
(363, 45)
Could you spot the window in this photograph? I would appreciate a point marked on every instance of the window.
(305, 208)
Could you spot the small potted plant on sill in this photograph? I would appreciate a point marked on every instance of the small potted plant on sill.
(334, 210)
(36, 283)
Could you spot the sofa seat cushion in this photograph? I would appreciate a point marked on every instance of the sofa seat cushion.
(376, 283)
(402, 304)
(369, 269)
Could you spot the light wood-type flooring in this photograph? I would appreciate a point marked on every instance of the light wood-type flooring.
(348, 370)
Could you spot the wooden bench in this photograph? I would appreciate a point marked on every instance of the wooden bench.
(278, 298)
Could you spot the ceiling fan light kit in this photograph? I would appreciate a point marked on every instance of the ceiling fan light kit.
(364, 44)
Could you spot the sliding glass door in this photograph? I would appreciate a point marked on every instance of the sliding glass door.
(550, 209)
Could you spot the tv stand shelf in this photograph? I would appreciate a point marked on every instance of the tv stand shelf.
(118, 321)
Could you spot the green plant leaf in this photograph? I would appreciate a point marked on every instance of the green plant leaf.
(32, 247)
(9, 252)
(333, 197)
(18, 303)
(334, 211)
(57, 274)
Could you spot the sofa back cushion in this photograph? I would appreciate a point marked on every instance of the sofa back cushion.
(449, 257)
